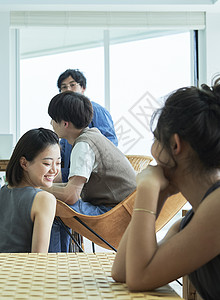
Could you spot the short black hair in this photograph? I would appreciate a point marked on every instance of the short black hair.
(75, 74)
(71, 107)
(29, 146)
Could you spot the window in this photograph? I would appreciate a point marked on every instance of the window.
(39, 78)
(142, 70)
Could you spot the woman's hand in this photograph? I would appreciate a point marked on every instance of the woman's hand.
(152, 175)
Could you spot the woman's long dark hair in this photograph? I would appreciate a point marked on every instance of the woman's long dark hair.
(194, 114)
(29, 146)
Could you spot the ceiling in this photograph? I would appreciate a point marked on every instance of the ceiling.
(108, 5)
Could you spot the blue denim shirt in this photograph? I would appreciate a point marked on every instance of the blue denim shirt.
(101, 120)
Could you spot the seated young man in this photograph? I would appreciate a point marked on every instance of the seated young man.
(100, 175)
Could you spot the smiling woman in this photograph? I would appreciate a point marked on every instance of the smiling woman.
(26, 211)
(43, 169)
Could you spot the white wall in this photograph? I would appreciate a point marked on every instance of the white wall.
(9, 70)
(212, 45)
(209, 48)
(4, 73)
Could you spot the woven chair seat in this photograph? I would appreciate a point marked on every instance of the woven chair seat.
(139, 162)
(112, 224)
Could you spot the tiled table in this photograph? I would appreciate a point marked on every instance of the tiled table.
(66, 276)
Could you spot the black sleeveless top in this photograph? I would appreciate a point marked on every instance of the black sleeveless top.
(206, 279)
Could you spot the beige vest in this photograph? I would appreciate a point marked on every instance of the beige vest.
(114, 178)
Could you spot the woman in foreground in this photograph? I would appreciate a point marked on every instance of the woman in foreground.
(187, 151)
(26, 211)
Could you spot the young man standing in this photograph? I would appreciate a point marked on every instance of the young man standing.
(100, 175)
(74, 80)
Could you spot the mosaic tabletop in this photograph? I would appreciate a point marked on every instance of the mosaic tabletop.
(66, 276)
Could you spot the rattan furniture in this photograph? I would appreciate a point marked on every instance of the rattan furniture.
(66, 276)
(107, 229)
(139, 162)
(104, 230)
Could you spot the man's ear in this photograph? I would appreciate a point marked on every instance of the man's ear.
(66, 124)
(23, 163)
(176, 144)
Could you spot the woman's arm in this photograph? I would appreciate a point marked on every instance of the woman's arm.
(149, 265)
(42, 215)
(174, 229)
(119, 266)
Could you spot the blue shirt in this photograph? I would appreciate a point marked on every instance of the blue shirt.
(101, 120)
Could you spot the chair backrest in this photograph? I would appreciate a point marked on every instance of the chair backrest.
(112, 224)
(139, 162)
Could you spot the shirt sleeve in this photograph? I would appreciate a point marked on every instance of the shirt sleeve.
(82, 160)
(103, 121)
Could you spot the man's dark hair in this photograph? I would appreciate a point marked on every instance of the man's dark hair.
(71, 107)
(75, 74)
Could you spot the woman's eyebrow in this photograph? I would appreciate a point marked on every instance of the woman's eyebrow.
(45, 158)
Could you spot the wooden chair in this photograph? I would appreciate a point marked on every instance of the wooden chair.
(106, 230)
(139, 162)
